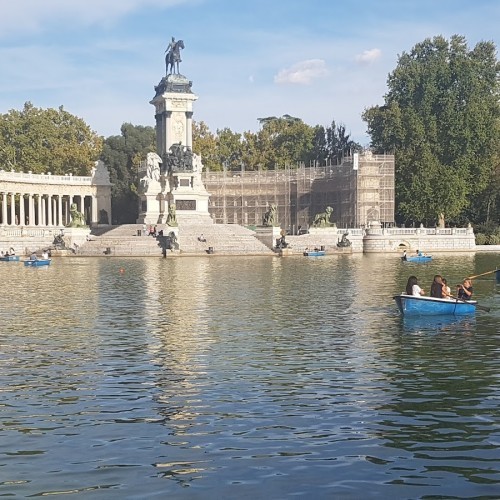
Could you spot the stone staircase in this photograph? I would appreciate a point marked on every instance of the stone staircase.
(127, 240)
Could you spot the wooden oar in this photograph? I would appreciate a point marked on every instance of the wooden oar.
(479, 306)
(482, 274)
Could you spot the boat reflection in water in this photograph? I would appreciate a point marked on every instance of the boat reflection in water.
(439, 324)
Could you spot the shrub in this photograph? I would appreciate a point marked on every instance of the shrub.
(481, 239)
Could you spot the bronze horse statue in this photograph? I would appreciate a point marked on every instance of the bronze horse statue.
(173, 57)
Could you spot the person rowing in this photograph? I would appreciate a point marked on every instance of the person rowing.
(465, 289)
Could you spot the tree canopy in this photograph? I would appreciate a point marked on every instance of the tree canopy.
(441, 120)
(122, 155)
(281, 142)
(47, 140)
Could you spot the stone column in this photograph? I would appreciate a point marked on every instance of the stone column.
(189, 129)
(31, 221)
(59, 211)
(39, 207)
(4, 208)
(95, 216)
(44, 210)
(12, 209)
(22, 217)
(49, 210)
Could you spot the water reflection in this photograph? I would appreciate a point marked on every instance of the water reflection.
(439, 324)
(244, 377)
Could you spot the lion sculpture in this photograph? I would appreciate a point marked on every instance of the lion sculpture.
(323, 219)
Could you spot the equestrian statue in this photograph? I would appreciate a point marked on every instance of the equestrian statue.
(173, 56)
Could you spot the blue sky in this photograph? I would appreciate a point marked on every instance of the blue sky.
(318, 60)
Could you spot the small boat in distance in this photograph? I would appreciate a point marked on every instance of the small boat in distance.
(9, 258)
(37, 262)
(417, 258)
(314, 253)
(411, 305)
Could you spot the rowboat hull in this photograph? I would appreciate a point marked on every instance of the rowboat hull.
(37, 262)
(420, 258)
(315, 253)
(10, 258)
(410, 305)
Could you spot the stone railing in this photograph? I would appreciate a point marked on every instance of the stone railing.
(43, 178)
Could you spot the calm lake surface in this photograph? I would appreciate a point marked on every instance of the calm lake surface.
(236, 377)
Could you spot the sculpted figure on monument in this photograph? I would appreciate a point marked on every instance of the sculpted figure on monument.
(153, 172)
(344, 242)
(171, 217)
(173, 56)
(77, 218)
(323, 219)
(179, 159)
(269, 218)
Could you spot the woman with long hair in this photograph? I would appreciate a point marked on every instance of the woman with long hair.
(412, 287)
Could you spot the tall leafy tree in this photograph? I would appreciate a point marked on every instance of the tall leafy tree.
(47, 140)
(205, 145)
(229, 148)
(122, 155)
(440, 119)
(284, 141)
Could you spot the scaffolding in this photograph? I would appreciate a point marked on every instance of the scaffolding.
(360, 190)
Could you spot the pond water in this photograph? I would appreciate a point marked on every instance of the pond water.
(236, 377)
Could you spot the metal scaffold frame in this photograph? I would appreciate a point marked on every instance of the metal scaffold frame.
(359, 191)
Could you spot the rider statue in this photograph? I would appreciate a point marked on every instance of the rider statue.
(173, 55)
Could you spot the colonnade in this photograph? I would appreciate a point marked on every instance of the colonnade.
(28, 209)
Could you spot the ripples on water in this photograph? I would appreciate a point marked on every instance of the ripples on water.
(244, 378)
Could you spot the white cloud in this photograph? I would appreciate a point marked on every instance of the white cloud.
(369, 56)
(302, 73)
(35, 16)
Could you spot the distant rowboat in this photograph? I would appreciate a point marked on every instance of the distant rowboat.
(37, 262)
(417, 258)
(9, 258)
(314, 253)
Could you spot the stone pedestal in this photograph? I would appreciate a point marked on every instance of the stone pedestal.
(181, 168)
(268, 235)
(75, 237)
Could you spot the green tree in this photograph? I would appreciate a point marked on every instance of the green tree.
(205, 145)
(122, 155)
(284, 141)
(47, 140)
(440, 119)
(229, 148)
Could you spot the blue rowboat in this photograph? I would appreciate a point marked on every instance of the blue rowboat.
(418, 258)
(411, 305)
(37, 262)
(314, 253)
(9, 258)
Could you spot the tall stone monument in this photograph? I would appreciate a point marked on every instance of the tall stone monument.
(176, 185)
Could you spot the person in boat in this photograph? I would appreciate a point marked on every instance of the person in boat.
(465, 290)
(446, 290)
(33, 256)
(45, 254)
(419, 253)
(404, 256)
(413, 288)
(437, 287)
